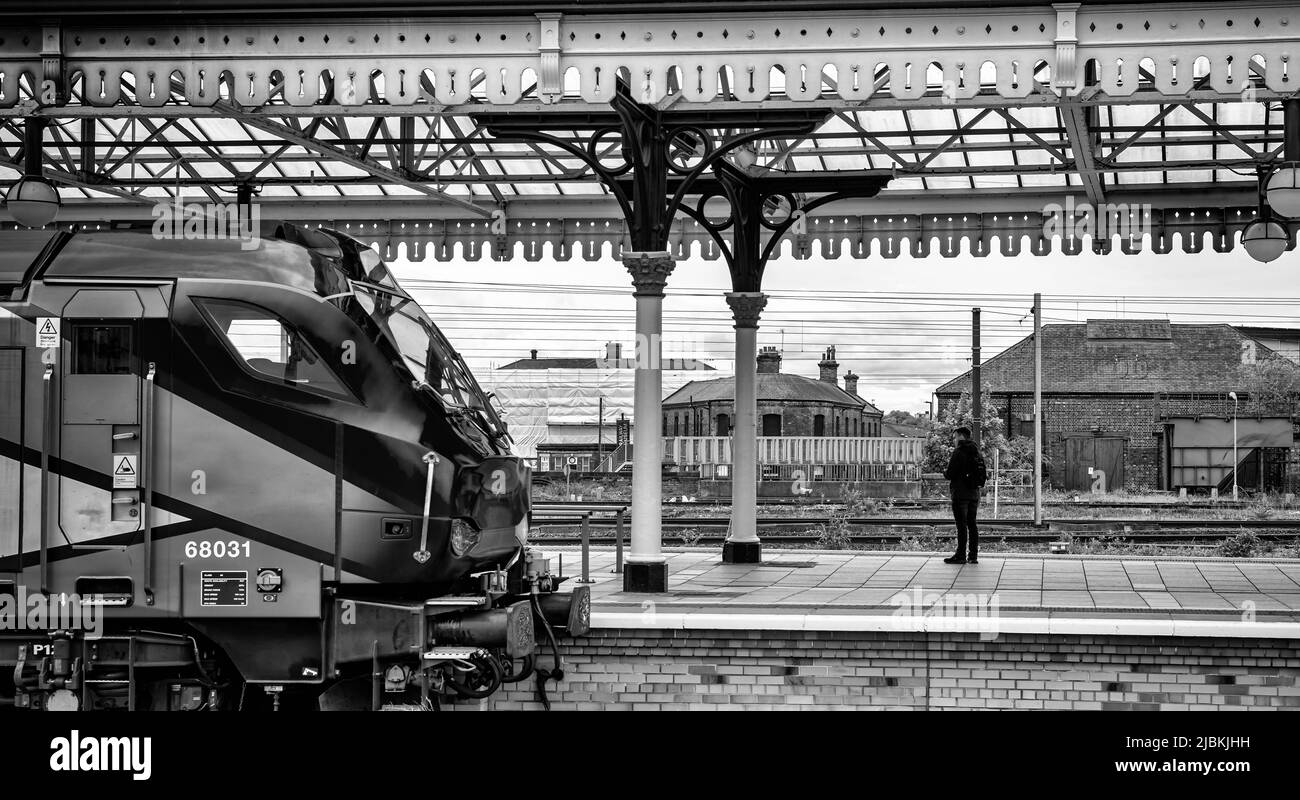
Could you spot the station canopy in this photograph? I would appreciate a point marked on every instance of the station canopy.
(986, 118)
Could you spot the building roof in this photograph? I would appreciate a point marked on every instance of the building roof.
(769, 387)
(1286, 334)
(1121, 356)
(601, 363)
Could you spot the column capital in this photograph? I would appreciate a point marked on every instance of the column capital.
(649, 270)
(746, 307)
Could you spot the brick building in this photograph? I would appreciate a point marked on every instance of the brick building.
(788, 405)
(1113, 391)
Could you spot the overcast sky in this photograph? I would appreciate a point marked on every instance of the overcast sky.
(903, 325)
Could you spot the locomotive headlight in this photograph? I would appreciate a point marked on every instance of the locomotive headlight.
(463, 537)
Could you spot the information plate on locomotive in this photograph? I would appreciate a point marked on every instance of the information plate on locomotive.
(126, 471)
(224, 588)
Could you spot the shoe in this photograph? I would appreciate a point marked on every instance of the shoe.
(954, 560)
(972, 560)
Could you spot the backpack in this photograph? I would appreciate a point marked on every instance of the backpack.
(979, 474)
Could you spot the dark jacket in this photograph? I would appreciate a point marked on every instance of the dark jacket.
(963, 471)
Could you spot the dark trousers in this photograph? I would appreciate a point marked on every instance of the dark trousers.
(963, 511)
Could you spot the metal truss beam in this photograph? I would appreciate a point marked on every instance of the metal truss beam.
(960, 170)
(933, 55)
(934, 99)
(379, 209)
(1083, 145)
(373, 168)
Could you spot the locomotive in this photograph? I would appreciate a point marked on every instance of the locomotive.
(252, 477)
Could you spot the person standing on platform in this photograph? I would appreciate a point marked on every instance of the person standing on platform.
(966, 475)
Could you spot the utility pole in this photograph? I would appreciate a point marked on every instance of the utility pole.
(600, 431)
(1038, 409)
(976, 405)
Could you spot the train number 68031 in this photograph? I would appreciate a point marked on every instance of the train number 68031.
(218, 549)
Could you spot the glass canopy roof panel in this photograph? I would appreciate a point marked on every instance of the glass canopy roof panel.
(847, 162)
(948, 182)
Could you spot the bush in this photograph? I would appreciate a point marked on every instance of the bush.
(691, 537)
(856, 504)
(1244, 545)
(833, 535)
(1260, 509)
(1105, 544)
(929, 541)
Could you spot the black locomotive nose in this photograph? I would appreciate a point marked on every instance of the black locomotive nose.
(495, 493)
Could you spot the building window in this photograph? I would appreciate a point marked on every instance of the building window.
(855, 426)
(724, 425)
(837, 425)
(819, 425)
(771, 424)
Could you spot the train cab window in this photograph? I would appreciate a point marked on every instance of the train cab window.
(101, 349)
(272, 350)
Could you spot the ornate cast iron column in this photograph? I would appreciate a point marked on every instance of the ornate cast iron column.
(742, 545)
(646, 569)
(764, 205)
(664, 156)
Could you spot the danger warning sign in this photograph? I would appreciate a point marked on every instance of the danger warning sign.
(126, 472)
(47, 332)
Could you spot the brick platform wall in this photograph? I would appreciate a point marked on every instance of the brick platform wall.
(742, 670)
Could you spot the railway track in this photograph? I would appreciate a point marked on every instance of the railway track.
(1280, 526)
(1165, 539)
(917, 503)
(555, 527)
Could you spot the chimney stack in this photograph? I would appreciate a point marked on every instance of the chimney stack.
(829, 366)
(769, 361)
(534, 352)
(851, 383)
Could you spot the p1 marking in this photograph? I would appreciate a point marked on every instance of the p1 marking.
(47, 332)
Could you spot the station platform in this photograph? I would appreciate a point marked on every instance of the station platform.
(805, 590)
(904, 631)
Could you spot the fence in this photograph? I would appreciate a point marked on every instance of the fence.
(820, 472)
